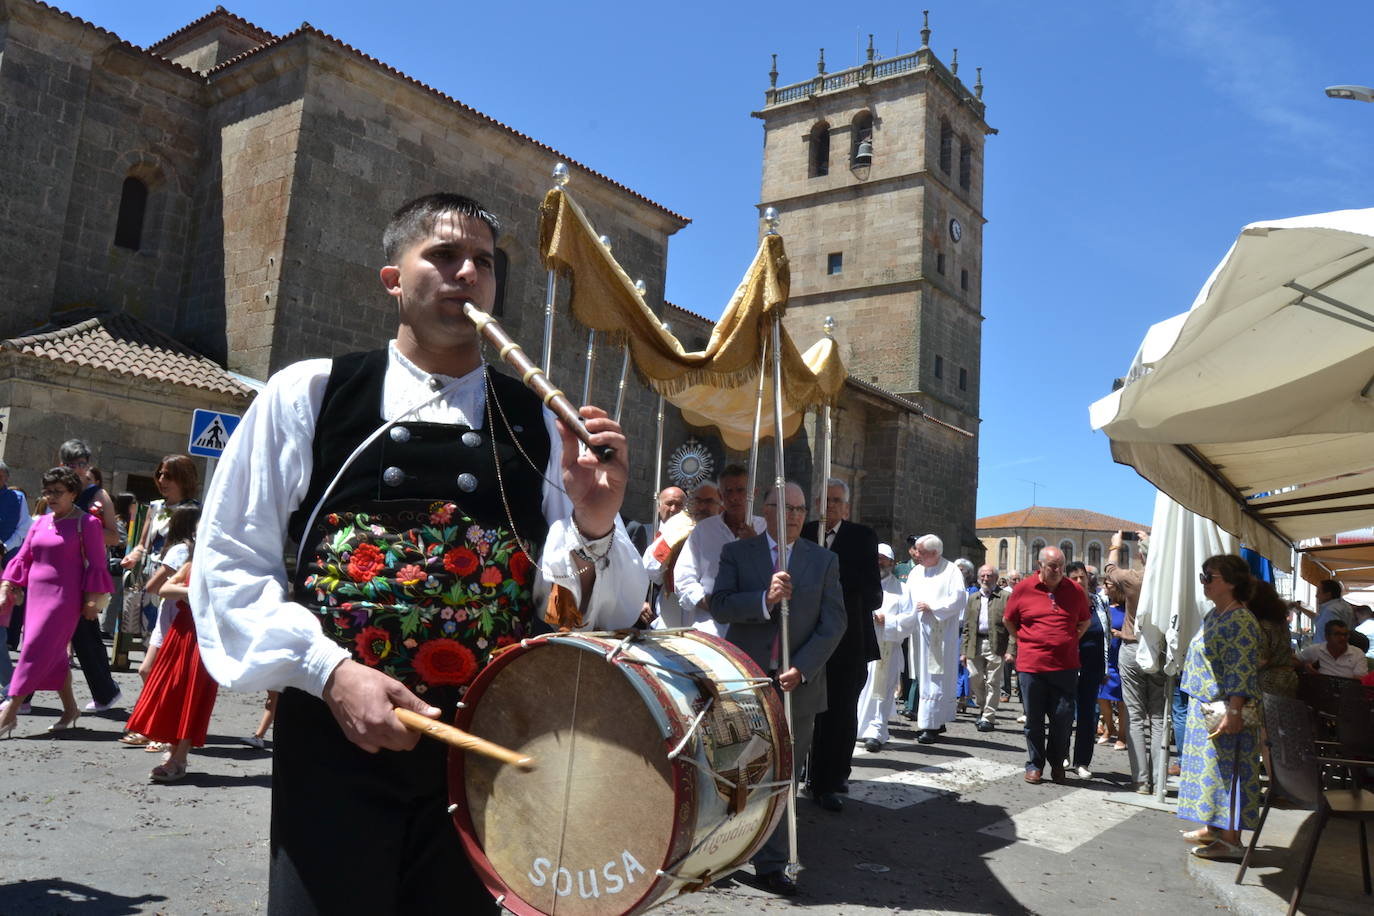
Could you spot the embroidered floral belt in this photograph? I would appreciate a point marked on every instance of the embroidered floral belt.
(419, 591)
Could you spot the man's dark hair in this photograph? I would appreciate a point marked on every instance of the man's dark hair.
(73, 450)
(1075, 566)
(1331, 587)
(733, 470)
(415, 220)
(1331, 625)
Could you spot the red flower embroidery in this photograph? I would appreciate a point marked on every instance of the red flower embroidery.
(520, 567)
(410, 575)
(492, 576)
(503, 641)
(374, 644)
(444, 661)
(365, 563)
(460, 561)
(440, 513)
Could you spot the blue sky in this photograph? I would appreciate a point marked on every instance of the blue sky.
(1135, 139)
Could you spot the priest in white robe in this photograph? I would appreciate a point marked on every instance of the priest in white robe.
(932, 608)
(878, 701)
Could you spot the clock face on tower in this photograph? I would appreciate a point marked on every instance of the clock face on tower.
(956, 231)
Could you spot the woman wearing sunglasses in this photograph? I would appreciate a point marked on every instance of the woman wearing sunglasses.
(1220, 785)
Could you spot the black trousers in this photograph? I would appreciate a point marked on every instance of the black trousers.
(95, 663)
(832, 745)
(1049, 694)
(1085, 730)
(354, 832)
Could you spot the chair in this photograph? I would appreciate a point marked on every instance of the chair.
(1297, 776)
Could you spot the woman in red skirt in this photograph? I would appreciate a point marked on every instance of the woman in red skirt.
(179, 695)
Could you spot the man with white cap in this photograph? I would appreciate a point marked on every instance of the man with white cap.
(878, 701)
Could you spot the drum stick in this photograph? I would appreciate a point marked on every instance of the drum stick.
(535, 379)
(461, 739)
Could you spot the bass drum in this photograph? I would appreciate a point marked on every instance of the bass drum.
(662, 764)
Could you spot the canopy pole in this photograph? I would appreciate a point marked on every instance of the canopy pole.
(754, 440)
(784, 622)
(658, 458)
(829, 434)
(620, 389)
(560, 178)
(587, 371)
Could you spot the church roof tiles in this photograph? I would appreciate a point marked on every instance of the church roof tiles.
(123, 345)
(1050, 517)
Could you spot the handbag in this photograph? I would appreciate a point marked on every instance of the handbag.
(98, 600)
(1214, 712)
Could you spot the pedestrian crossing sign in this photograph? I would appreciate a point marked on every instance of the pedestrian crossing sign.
(210, 432)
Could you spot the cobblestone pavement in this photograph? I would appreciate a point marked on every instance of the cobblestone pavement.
(949, 827)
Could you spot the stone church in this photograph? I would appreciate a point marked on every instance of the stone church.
(179, 221)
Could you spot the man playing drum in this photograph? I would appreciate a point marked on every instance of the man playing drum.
(421, 487)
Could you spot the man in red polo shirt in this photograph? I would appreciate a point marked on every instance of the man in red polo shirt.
(1047, 613)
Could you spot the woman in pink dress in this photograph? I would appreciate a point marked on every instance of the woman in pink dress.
(62, 565)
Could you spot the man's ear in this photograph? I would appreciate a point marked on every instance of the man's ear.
(391, 279)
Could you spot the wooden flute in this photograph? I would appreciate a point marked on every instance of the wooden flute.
(535, 379)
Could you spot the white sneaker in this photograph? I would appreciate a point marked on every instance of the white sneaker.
(115, 700)
(255, 741)
(1084, 773)
(1021, 719)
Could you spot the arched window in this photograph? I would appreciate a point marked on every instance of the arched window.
(946, 146)
(820, 150)
(1002, 555)
(498, 307)
(965, 163)
(1037, 545)
(861, 139)
(1095, 554)
(133, 205)
(1066, 548)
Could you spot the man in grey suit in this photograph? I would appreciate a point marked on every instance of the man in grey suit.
(748, 593)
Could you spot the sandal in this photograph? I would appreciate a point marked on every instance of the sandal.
(170, 771)
(1105, 739)
(1119, 746)
(133, 739)
(156, 747)
(1218, 850)
(1202, 836)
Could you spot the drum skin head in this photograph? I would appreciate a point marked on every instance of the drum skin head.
(583, 833)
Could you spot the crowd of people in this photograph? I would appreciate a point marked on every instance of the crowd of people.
(80, 568)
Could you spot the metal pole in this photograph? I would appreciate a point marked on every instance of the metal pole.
(560, 178)
(587, 373)
(829, 433)
(754, 442)
(620, 390)
(658, 458)
(785, 661)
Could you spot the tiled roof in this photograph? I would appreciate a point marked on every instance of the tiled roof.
(689, 313)
(123, 345)
(218, 13)
(185, 71)
(308, 29)
(1050, 517)
(903, 402)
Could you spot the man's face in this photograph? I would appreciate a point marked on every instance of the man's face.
(911, 551)
(670, 503)
(1051, 567)
(836, 506)
(1338, 641)
(82, 467)
(734, 494)
(987, 578)
(1081, 577)
(927, 557)
(884, 565)
(796, 512)
(705, 502)
(435, 276)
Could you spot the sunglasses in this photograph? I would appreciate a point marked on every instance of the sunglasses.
(1206, 577)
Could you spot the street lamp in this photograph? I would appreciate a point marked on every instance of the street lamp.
(1354, 93)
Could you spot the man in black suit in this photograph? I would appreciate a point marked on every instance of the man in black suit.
(837, 728)
(747, 593)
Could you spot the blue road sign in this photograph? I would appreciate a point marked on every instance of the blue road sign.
(210, 432)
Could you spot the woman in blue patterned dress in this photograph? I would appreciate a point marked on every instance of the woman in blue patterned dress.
(1220, 783)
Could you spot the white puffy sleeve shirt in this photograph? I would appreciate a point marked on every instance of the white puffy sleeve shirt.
(251, 637)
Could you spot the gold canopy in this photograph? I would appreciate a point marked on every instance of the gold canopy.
(716, 386)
